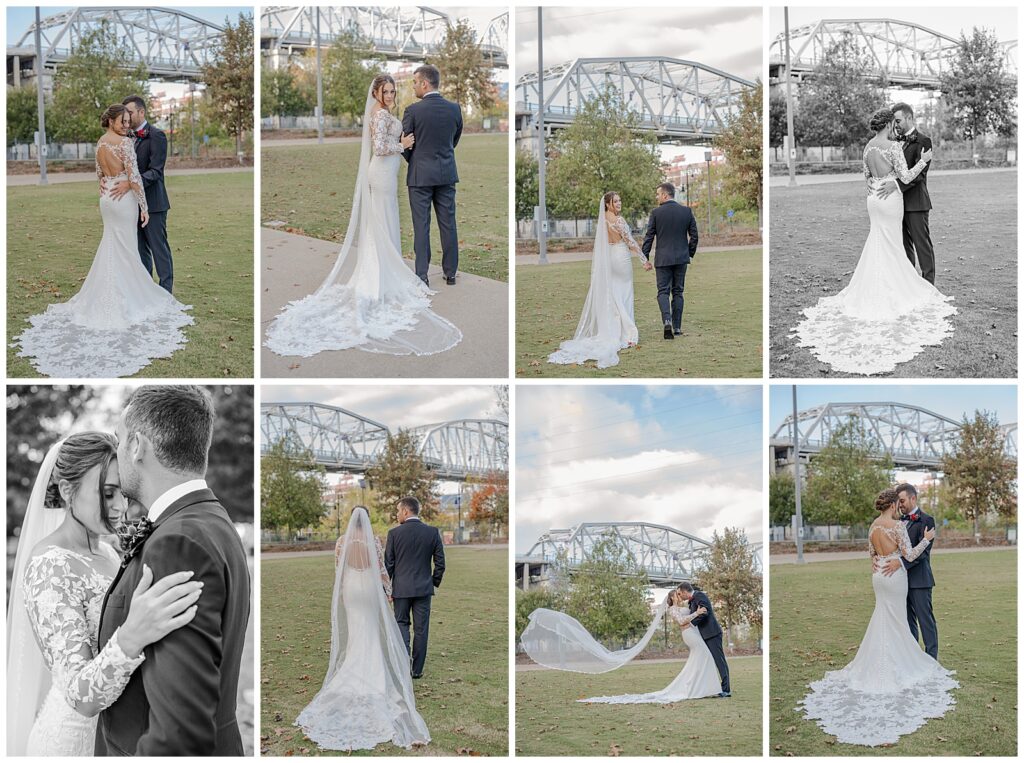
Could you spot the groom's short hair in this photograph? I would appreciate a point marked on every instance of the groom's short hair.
(431, 74)
(905, 108)
(907, 488)
(178, 419)
(136, 101)
(411, 504)
(667, 188)
(684, 586)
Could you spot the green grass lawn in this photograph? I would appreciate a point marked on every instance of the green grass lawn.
(818, 615)
(309, 188)
(549, 720)
(463, 695)
(721, 320)
(52, 236)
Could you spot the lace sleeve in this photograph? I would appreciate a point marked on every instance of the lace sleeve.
(622, 228)
(903, 539)
(55, 597)
(864, 164)
(385, 579)
(899, 164)
(99, 170)
(131, 166)
(337, 550)
(676, 614)
(380, 131)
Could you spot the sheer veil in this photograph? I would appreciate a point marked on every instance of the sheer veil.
(598, 332)
(28, 678)
(556, 640)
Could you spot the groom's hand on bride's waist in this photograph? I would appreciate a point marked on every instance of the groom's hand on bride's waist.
(119, 190)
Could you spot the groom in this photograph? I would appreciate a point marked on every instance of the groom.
(709, 629)
(675, 228)
(920, 581)
(410, 550)
(437, 125)
(151, 152)
(181, 701)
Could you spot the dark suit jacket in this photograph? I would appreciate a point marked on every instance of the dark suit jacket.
(151, 152)
(919, 571)
(676, 230)
(436, 123)
(706, 624)
(410, 549)
(915, 193)
(181, 700)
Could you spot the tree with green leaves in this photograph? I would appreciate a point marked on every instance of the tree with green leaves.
(348, 68)
(608, 593)
(527, 184)
(602, 150)
(980, 477)
(846, 477)
(400, 472)
(777, 127)
(781, 499)
(22, 115)
(465, 73)
(230, 79)
(731, 579)
(292, 485)
(837, 100)
(282, 93)
(742, 142)
(979, 92)
(97, 74)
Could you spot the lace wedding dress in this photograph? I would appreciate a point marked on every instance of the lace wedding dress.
(606, 324)
(63, 593)
(698, 678)
(382, 306)
(120, 320)
(887, 314)
(892, 686)
(367, 696)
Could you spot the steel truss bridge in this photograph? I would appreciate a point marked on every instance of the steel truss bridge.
(904, 54)
(343, 441)
(916, 439)
(171, 44)
(668, 556)
(679, 101)
(398, 33)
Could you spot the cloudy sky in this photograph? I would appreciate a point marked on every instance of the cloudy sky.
(687, 457)
(948, 21)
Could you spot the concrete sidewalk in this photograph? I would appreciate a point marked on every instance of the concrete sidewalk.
(293, 266)
(782, 181)
(835, 556)
(54, 178)
(282, 142)
(578, 256)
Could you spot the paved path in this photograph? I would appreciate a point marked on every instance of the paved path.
(782, 181)
(81, 177)
(526, 667)
(266, 556)
(578, 256)
(294, 266)
(835, 556)
(281, 142)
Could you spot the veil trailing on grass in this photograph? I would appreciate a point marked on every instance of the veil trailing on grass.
(556, 640)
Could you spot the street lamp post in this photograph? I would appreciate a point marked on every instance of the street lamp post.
(791, 152)
(192, 117)
(707, 160)
(173, 103)
(319, 84)
(40, 104)
(542, 215)
(796, 481)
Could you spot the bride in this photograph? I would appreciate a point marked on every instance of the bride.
(606, 324)
(887, 314)
(57, 679)
(556, 640)
(367, 697)
(380, 305)
(891, 687)
(120, 320)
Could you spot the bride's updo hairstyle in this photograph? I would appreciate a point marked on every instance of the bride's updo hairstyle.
(80, 453)
(608, 198)
(886, 498)
(111, 115)
(881, 119)
(378, 83)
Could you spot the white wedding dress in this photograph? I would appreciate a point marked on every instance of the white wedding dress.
(120, 320)
(382, 306)
(606, 324)
(698, 678)
(892, 686)
(367, 697)
(888, 313)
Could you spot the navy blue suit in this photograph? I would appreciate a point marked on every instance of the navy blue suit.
(711, 632)
(675, 228)
(920, 583)
(154, 249)
(916, 205)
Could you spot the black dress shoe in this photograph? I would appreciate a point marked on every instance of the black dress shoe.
(417, 675)
(450, 280)
(725, 694)
(677, 332)
(668, 331)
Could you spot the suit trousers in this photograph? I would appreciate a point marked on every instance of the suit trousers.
(671, 279)
(917, 238)
(154, 249)
(718, 653)
(919, 612)
(442, 198)
(419, 608)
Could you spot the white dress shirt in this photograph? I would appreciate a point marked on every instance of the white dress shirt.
(161, 504)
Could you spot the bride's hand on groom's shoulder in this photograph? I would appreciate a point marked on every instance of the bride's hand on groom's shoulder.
(926, 155)
(158, 608)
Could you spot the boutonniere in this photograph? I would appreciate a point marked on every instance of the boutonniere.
(132, 535)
